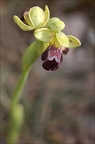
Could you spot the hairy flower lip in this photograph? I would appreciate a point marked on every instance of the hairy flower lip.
(50, 65)
(65, 50)
(52, 57)
(44, 55)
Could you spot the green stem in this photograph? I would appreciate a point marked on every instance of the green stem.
(20, 85)
(16, 118)
(16, 110)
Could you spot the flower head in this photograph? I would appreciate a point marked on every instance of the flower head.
(47, 32)
(59, 44)
(33, 18)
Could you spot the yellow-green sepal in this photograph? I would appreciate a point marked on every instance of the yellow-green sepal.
(22, 25)
(47, 14)
(55, 24)
(73, 41)
(27, 19)
(62, 39)
(43, 34)
(68, 41)
(38, 17)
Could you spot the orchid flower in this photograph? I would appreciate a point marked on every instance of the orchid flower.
(58, 43)
(47, 31)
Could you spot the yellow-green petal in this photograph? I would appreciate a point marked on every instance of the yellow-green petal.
(27, 19)
(62, 39)
(55, 24)
(68, 41)
(47, 14)
(43, 34)
(73, 41)
(22, 25)
(37, 16)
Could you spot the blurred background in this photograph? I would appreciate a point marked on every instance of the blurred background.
(59, 106)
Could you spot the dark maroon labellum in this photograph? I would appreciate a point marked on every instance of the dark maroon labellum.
(23, 13)
(65, 51)
(52, 57)
(50, 65)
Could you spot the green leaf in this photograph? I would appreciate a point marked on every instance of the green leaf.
(32, 53)
(29, 56)
(40, 47)
(16, 122)
(43, 34)
(22, 25)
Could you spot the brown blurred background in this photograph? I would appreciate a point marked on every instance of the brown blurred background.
(59, 106)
